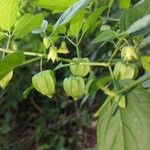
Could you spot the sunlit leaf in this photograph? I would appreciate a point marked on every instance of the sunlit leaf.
(8, 13)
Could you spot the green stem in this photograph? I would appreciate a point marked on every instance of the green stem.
(104, 64)
(77, 48)
(78, 51)
(103, 107)
(64, 59)
(95, 64)
(7, 46)
(70, 40)
(116, 50)
(26, 53)
(122, 91)
(112, 19)
(31, 61)
(113, 78)
(110, 60)
(133, 85)
(62, 66)
(41, 64)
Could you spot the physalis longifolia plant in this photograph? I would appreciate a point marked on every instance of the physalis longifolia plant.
(88, 36)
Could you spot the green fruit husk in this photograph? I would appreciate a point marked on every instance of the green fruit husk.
(79, 69)
(74, 86)
(44, 82)
(123, 70)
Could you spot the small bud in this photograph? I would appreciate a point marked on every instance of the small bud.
(105, 28)
(52, 53)
(5, 80)
(46, 42)
(63, 48)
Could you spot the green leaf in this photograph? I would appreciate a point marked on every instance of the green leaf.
(76, 23)
(92, 19)
(145, 84)
(105, 36)
(140, 24)
(27, 23)
(71, 12)
(56, 6)
(8, 13)
(121, 100)
(134, 14)
(110, 4)
(124, 4)
(98, 84)
(145, 60)
(2, 35)
(10, 62)
(126, 129)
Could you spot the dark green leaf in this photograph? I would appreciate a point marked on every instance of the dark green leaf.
(126, 129)
(10, 62)
(71, 12)
(134, 14)
(92, 19)
(105, 36)
(76, 23)
(98, 84)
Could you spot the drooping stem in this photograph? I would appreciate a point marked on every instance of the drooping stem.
(133, 85)
(77, 47)
(110, 60)
(40, 55)
(31, 61)
(8, 45)
(26, 53)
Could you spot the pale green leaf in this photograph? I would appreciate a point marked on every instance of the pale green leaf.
(121, 100)
(8, 13)
(2, 35)
(126, 129)
(76, 23)
(98, 84)
(124, 4)
(146, 63)
(134, 14)
(140, 24)
(10, 62)
(71, 12)
(92, 19)
(56, 6)
(27, 23)
(105, 36)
